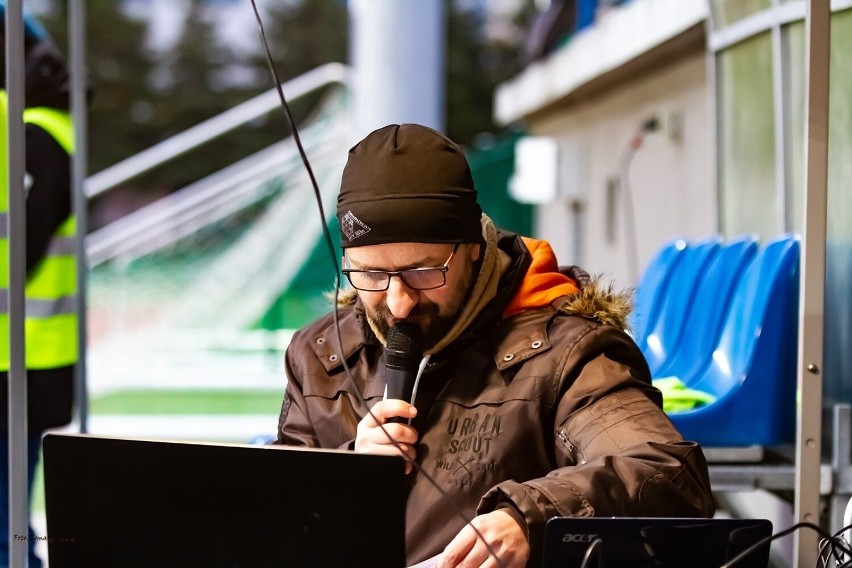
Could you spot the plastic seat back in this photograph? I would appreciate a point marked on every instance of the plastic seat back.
(652, 286)
(710, 305)
(752, 372)
(665, 333)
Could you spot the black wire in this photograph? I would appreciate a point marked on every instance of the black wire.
(594, 545)
(846, 548)
(823, 549)
(328, 240)
(828, 550)
(829, 546)
(295, 133)
(765, 541)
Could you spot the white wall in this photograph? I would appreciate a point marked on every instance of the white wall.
(672, 182)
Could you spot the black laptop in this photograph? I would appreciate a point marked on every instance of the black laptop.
(119, 502)
(654, 542)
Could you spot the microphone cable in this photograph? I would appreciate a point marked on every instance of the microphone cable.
(828, 549)
(329, 243)
(595, 546)
(831, 543)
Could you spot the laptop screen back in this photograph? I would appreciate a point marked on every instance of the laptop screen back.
(658, 542)
(118, 502)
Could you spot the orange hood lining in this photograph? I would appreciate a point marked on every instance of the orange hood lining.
(543, 283)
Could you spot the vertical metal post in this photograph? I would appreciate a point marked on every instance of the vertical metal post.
(811, 299)
(841, 454)
(79, 81)
(780, 80)
(398, 53)
(18, 487)
(713, 82)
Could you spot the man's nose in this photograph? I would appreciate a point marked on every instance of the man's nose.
(400, 298)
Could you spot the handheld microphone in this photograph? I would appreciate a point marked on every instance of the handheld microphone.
(402, 356)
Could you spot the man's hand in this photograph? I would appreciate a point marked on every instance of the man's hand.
(370, 438)
(506, 538)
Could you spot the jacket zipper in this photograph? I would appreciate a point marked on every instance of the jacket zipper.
(573, 450)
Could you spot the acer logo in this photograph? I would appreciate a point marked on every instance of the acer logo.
(568, 537)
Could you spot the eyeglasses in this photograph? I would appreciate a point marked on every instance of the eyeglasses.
(426, 278)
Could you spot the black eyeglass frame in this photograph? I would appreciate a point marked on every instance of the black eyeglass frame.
(401, 274)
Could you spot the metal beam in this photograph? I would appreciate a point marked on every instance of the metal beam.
(17, 387)
(811, 299)
(79, 81)
(725, 478)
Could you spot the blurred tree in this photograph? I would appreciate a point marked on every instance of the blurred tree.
(145, 93)
(476, 63)
(118, 68)
(197, 79)
(188, 85)
(304, 34)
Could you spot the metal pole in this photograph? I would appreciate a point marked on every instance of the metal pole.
(77, 68)
(780, 80)
(18, 487)
(400, 44)
(811, 298)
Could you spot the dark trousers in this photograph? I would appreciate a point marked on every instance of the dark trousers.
(33, 450)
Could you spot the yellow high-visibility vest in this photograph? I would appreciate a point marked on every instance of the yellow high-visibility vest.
(51, 289)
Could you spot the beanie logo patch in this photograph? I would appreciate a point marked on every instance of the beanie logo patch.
(352, 227)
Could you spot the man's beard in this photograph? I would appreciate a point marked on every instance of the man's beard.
(426, 315)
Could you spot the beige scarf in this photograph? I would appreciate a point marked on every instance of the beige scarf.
(494, 264)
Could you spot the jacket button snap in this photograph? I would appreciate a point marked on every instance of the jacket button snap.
(536, 344)
(332, 358)
(320, 340)
(508, 356)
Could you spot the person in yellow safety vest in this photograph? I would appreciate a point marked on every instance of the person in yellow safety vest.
(50, 305)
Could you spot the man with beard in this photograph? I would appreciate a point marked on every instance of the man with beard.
(532, 401)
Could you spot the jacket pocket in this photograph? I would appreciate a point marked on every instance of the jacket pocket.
(570, 448)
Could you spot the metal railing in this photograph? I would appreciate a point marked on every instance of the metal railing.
(214, 197)
(328, 74)
(279, 240)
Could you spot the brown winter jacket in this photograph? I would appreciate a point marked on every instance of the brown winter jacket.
(548, 412)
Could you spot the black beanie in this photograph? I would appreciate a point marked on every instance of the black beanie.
(407, 183)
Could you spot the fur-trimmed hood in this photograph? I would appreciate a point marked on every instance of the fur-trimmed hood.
(591, 297)
(599, 300)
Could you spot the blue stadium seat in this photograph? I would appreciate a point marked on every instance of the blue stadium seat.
(752, 372)
(652, 287)
(710, 304)
(664, 334)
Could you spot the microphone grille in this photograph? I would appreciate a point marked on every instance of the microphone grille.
(405, 343)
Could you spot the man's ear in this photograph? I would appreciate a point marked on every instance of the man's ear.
(474, 252)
